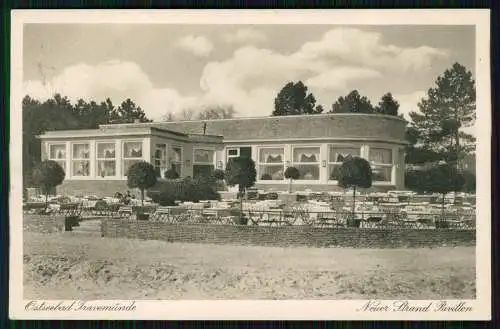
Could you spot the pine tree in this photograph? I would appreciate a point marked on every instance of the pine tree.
(448, 107)
(387, 105)
(352, 103)
(293, 99)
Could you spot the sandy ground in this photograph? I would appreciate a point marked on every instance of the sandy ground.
(57, 266)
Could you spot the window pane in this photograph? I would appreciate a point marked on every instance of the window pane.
(271, 155)
(106, 168)
(271, 172)
(81, 168)
(338, 154)
(308, 172)
(381, 156)
(306, 154)
(105, 150)
(57, 151)
(232, 152)
(81, 151)
(132, 149)
(246, 152)
(333, 171)
(381, 173)
(202, 171)
(205, 156)
(127, 164)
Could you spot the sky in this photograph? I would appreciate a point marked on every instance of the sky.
(168, 68)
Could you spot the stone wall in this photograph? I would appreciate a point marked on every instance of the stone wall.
(43, 223)
(287, 236)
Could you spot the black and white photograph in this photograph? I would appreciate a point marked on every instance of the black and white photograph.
(335, 161)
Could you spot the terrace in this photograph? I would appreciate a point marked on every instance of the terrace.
(392, 210)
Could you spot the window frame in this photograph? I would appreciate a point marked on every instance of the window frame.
(97, 158)
(125, 158)
(58, 160)
(293, 147)
(329, 164)
(384, 165)
(73, 159)
(259, 164)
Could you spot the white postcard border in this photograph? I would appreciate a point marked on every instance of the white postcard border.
(232, 309)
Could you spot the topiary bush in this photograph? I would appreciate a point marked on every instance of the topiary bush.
(47, 175)
(141, 175)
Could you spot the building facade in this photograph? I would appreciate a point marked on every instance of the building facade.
(96, 161)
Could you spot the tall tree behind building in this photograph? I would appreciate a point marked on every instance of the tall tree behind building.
(388, 105)
(448, 107)
(352, 103)
(293, 99)
(128, 112)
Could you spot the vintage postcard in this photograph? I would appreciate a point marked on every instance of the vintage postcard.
(265, 164)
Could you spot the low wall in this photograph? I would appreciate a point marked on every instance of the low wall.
(286, 236)
(43, 223)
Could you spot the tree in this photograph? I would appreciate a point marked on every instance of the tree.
(141, 175)
(293, 99)
(387, 105)
(171, 174)
(355, 172)
(47, 175)
(241, 171)
(128, 112)
(352, 103)
(442, 178)
(217, 112)
(448, 107)
(291, 173)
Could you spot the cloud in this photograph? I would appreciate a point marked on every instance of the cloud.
(113, 79)
(357, 47)
(198, 45)
(409, 102)
(246, 36)
(249, 79)
(338, 78)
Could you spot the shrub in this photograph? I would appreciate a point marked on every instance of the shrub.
(218, 174)
(469, 182)
(193, 190)
(47, 175)
(141, 175)
(171, 174)
(241, 171)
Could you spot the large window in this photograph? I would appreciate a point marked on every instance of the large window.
(203, 164)
(57, 153)
(81, 159)
(381, 163)
(177, 161)
(132, 153)
(336, 156)
(271, 163)
(306, 160)
(160, 159)
(106, 159)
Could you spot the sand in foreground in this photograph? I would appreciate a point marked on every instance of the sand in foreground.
(72, 267)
